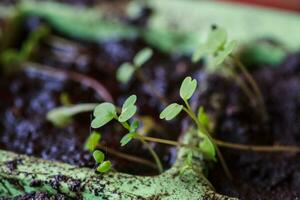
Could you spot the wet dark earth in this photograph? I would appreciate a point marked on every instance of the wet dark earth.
(261, 175)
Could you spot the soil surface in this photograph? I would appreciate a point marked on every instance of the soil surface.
(260, 175)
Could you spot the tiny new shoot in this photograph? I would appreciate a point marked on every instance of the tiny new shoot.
(201, 120)
(62, 116)
(90, 145)
(106, 112)
(218, 50)
(128, 69)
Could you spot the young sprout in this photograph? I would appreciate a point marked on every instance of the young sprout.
(206, 145)
(91, 145)
(62, 116)
(103, 166)
(106, 112)
(126, 70)
(92, 141)
(218, 50)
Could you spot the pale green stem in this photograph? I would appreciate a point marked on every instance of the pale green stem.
(253, 84)
(150, 149)
(154, 155)
(191, 113)
(80, 108)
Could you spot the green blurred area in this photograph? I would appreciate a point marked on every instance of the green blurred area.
(176, 26)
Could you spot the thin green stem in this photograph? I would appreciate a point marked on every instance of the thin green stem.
(252, 83)
(127, 156)
(168, 142)
(154, 155)
(257, 148)
(191, 113)
(150, 149)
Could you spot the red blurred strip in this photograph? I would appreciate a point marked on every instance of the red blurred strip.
(293, 5)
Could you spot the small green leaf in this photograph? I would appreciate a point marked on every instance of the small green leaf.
(207, 147)
(129, 101)
(216, 40)
(134, 125)
(230, 47)
(92, 141)
(101, 121)
(188, 88)
(60, 117)
(103, 113)
(127, 113)
(222, 55)
(171, 111)
(202, 117)
(127, 138)
(125, 72)
(128, 108)
(105, 109)
(98, 156)
(142, 56)
(104, 167)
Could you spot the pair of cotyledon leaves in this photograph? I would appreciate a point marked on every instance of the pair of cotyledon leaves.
(186, 91)
(126, 70)
(217, 48)
(91, 144)
(106, 111)
(103, 166)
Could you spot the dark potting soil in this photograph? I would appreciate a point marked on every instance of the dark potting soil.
(260, 175)
(26, 96)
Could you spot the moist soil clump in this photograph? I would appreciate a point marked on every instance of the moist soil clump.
(260, 175)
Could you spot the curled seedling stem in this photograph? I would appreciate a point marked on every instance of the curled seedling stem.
(74, 76)
(252, 83)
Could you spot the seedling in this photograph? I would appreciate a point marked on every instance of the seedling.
(103, 166)
(62, 116)
(218, 50)
(187, 90)
(106, 112)
(127, 70)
